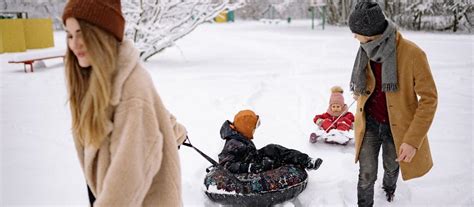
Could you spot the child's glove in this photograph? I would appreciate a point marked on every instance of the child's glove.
(343, 126)
(319, 122)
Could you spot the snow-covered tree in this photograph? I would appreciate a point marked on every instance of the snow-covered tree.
(418, 9)
(439, 15)
(338, 11)
(459, 10)
(156, 24)
(271, 9)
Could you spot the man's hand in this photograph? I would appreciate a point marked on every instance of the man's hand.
(355, 97)
(407, 152)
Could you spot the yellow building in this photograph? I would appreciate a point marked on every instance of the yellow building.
(18, 35)
(222, 17)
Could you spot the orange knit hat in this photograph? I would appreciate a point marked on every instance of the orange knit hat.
(105, 14)
(245, 122)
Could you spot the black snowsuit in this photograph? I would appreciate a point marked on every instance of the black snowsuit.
(239, 154)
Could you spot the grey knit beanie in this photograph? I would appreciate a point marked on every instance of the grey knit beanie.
(367, 19)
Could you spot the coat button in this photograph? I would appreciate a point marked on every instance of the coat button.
(360, 109)
(367, 92)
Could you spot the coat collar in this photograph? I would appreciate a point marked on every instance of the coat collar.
(228, 133)
(128, 58)
(398, 38)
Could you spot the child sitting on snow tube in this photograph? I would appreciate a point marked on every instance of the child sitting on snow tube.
(252, 177)
(240, 155)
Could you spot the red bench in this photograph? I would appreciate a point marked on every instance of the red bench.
(32, 60)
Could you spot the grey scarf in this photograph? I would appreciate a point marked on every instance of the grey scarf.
(382, 50)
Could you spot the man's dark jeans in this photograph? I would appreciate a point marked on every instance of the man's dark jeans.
(376, 135)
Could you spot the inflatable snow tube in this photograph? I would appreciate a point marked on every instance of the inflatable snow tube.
(260, 189)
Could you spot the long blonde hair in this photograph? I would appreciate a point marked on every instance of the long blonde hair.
(89, 89)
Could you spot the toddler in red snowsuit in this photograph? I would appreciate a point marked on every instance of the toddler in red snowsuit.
(335, 109)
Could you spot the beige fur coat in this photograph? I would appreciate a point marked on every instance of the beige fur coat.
(138, 164)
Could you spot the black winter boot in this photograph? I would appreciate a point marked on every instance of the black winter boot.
(313, 164)
(389, 193)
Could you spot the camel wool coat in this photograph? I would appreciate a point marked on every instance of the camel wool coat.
(411, 109)
(138, 163)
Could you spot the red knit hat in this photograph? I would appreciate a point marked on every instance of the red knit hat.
(106, 14)
(245, 122)
(336, 98)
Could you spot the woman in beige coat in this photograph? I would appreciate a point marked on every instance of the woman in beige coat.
(126, 139)
(396, 103)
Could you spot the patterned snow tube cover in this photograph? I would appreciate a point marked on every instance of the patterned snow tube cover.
(260, 189)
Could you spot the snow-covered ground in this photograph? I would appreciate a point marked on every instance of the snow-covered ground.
(283, 72)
